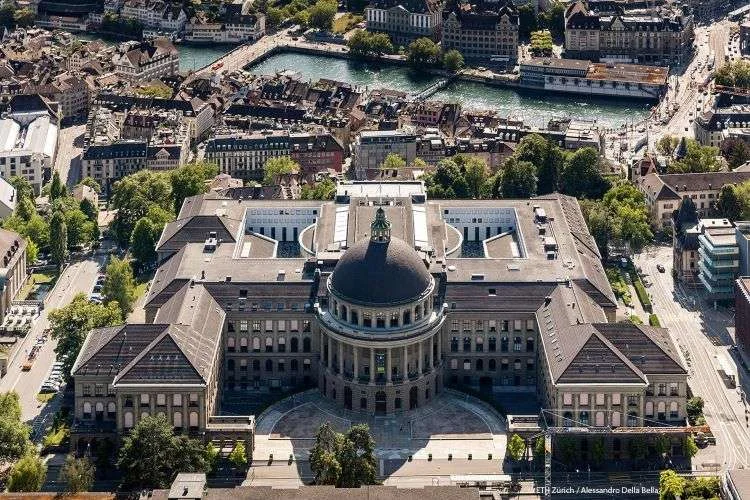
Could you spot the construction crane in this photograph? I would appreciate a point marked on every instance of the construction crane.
(579, 428)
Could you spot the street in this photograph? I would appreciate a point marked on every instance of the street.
(78, 277)
(700, 333)
(69, 149)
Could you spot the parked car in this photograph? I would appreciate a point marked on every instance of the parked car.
(660, 268)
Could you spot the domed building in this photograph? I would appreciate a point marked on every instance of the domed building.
(381, 327)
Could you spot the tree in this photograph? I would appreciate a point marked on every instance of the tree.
(553, 19)
(323, 460)
(702, 487)
(453, 60)
(735, 74)
(71, 324)
(274, 16)
(357, 458)
(58, 232)
(581, 176)
(422, 52)
(276, 167)
(694, 408)
(119, 285)
(527, 20)
(25, 209)
(57, 188)
(323, 190)
(23, 188)
(671, 485)
(77, 474)
(697, 159)
(546, 156)
(518, 179)
(90, 182)
(662, 444)
(32, 252)
(80, 229)
(238, 458)
(637, 448)
(14, 433)
(380, 43)
(393, 162)
(667, 144)
(212, 457)
(27, 474)
(735, 151)
(628, 215)
(475, 173)
(689, 448)
(516, 447)
(134, 195)
(143, 242)
(539, 448)
(447, 182)
(190, 180)
(598, 451)
(322, 14)
(24, 17)
(151, 455)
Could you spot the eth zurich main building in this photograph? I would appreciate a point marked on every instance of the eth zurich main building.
(380, 298)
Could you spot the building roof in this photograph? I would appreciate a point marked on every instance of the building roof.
(380, 273)
(672, 186)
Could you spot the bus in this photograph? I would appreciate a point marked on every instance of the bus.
(727, 371)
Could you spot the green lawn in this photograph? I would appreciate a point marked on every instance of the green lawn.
(346, 22)
(48, 277)
(56, 437)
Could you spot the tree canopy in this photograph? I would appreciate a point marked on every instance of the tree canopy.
(190, 180)
(453, 60)
(581, 176)
(14, 433)
(152, 455)
(77, 474)
(58, 231)
(734, 74)
(345, 460)
(322, 14)
(422, 52)
(119, 285)
(671, 485)
(518, 179)
(27, 474)
(276, 167)
(363, 43)
(134, 195)
(71, 324)
(697, 159)
(735, 151)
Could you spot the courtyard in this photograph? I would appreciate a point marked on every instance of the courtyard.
(443, 438)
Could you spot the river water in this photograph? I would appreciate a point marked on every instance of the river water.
(534, 108)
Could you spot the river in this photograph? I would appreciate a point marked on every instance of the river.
(535, 108)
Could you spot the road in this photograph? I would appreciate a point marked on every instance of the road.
(701, 334)
(78, 277)
(69, 149)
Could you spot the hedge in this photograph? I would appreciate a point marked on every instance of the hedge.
(640, 290)
(653, 320)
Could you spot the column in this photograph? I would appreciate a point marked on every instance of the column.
(440, 346)
(421, 358)
(356, 362)
(406, 362)
(341, 357)
(432, 349)
(389, 356)
(372, 365)
(330, 352)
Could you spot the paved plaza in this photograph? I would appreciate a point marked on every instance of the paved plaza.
(452, 426)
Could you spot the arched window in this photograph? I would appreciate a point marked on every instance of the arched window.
(567, 419)
(294, 344)
(281, 344)
(269, 365)
(493, 365)
(294, 365)
(306, 342)
(661, 410)
(99, 409)
(583, 418)
(111, 409)
(343, 312)
(269, 344)
(467, 344)
(467, 364)
(230, 365)
(243, 344)
(673, 410)
(256, 365)
(86, 410)
(480, 365)
(256, 344)
(517, 364)
(503, 344)
(517, 344)
(417, 313)
(193, 419)
(144, 414)
(230, 344)
(128, 420)
(649, 409)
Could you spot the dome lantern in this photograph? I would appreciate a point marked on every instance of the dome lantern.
(380, 229)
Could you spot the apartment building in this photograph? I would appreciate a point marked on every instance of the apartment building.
(486, 35)
(634, 36)
(146, 61)
(371, 147)
(405, 20)
(242, 29)
(716, 125)
(718, 258)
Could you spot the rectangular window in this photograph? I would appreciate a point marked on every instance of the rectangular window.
(193, 399)
(567, 398)
(616, 399)
(243, 325)
(583, 399)
(600, 399)
(161, 400)
(269, 325)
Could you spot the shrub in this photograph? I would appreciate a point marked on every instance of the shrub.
(640, 290)
(653, 320)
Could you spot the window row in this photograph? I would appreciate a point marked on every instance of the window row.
(281, 365)
(479, 364)
(160, 400)
(599, 399)
(391, 319)
(466, 342)
(176, 419)
(492, 325)
(281, 325)
(268, 344)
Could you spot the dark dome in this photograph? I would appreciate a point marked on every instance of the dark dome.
(380, 273)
